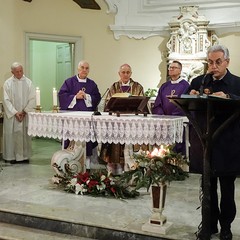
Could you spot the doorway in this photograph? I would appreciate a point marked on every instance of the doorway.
(51, 59)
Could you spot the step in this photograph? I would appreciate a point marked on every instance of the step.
(60, 227)
(15, 232)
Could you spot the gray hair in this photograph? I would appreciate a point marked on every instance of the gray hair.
(219, 48)
(16, 65)
(82, 62)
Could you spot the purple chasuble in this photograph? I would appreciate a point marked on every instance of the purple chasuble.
(162, 105)
(70, 88)
(67, 92)
(125, 88)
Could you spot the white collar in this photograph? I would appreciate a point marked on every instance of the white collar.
(177, 81)
(126, 84)
(81, 80)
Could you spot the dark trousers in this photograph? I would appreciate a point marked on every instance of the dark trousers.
(224, 210)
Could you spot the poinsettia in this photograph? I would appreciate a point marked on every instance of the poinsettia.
(150, 168)
(97, 184)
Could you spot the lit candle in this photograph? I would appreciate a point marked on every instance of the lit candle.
(162, 151)
(54, 97)
(38, 97)
(154, 152)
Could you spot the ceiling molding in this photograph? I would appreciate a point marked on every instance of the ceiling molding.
(141, 19)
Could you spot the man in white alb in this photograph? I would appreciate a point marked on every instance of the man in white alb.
(19, 98)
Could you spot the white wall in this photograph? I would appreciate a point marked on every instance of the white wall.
(104, 53)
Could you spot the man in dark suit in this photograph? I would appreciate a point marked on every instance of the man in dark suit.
(225, 156)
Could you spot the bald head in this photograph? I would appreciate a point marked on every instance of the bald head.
(125, 73)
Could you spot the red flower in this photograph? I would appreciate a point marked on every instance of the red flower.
(83, 177)
(113, 190)
(92, 183)
(107, 181)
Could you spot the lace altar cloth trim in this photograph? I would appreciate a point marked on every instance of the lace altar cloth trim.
(83, 126)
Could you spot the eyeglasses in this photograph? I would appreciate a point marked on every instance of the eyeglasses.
(173, 68)
(218, 62)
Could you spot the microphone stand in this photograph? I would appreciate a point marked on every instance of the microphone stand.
(204, 83)
(96, 112)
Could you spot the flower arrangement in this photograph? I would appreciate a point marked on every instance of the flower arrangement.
(160, 166)
(97, 184)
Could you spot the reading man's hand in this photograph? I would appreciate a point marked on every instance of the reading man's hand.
(220, 94)
(194, 92)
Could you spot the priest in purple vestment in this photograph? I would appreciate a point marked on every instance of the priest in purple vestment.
(174, 87)
(80, 93)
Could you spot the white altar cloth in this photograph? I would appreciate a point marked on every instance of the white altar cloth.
(128, 128)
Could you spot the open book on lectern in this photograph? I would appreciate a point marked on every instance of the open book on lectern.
(130, 104)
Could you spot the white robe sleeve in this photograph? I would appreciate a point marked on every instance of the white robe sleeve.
(9, 108)
(88, 101)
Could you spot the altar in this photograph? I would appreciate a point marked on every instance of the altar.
(128, 128)
(81, 127)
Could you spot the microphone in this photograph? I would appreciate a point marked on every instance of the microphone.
(203, 83)
(96, 112)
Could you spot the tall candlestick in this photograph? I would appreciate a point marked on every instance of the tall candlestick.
(38, 97)
(54, 97)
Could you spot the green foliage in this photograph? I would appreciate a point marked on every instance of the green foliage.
(154, 170)
(148, 170)
(151, 92)
(97, 184)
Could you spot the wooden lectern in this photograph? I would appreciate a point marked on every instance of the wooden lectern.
(208, 108)
(131, 104)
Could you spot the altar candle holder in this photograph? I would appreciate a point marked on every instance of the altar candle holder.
(55, 109)
(38, 109)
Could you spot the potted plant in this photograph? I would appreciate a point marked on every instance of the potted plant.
(154, 170)
(151, 92)
(156, 167)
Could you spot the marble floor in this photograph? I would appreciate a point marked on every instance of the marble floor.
(30, 199)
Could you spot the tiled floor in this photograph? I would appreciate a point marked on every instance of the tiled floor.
(27, 189)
